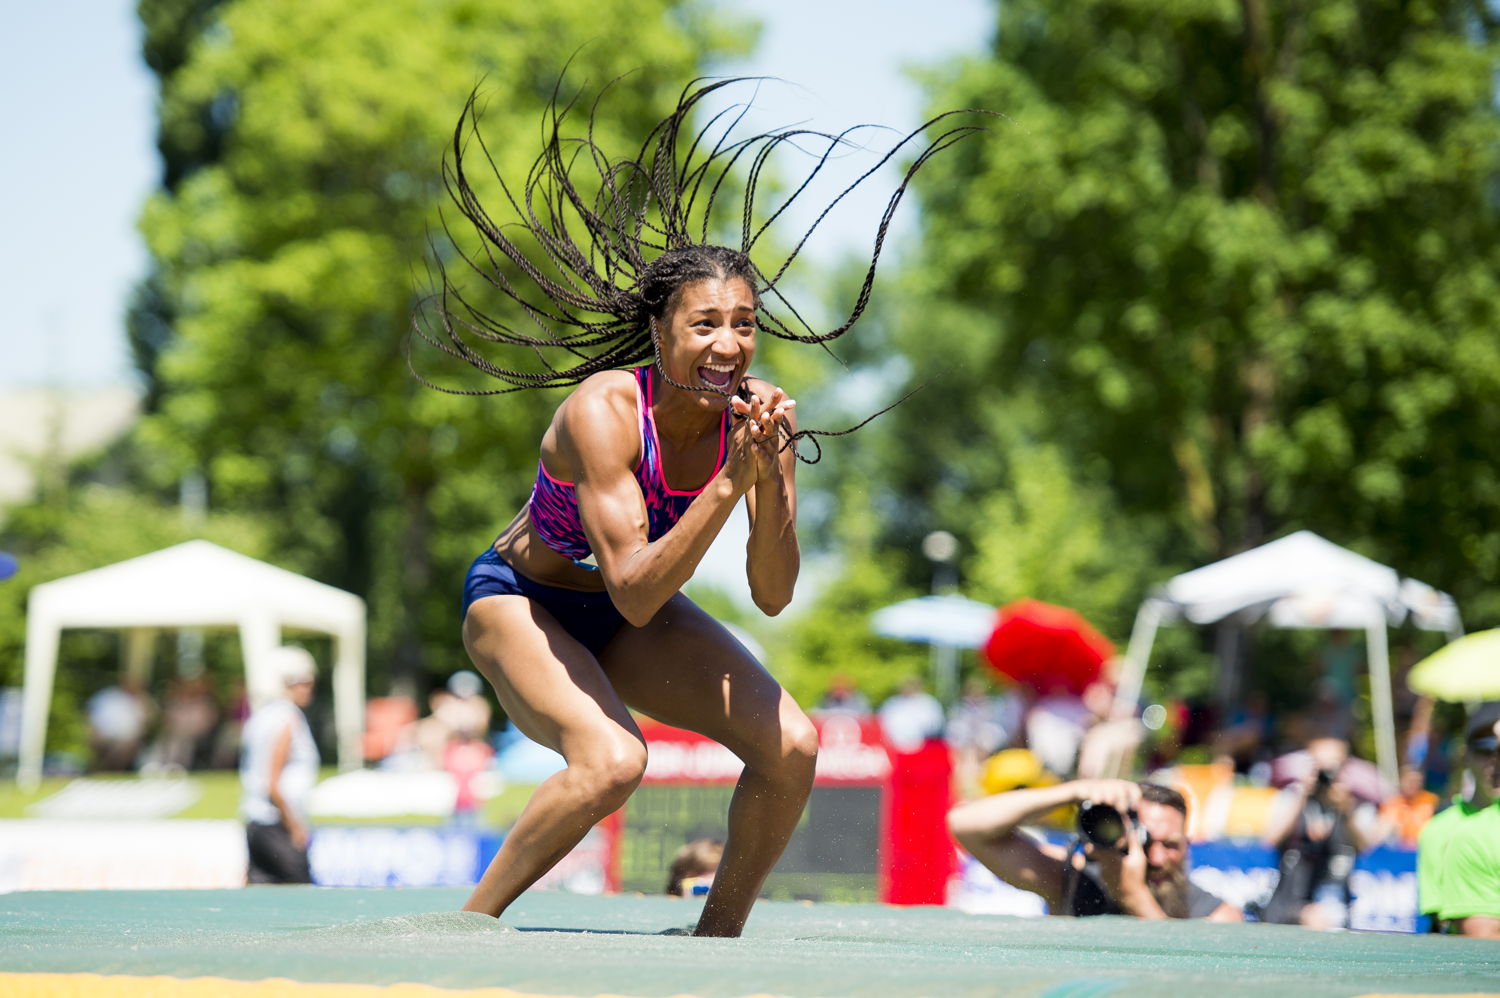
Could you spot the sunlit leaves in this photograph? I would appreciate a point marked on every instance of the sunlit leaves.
(1235, 278)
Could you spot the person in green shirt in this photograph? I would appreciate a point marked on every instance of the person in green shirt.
(1458, 852)
(1472, 901)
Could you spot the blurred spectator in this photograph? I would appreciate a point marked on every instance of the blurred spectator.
(1325, 717)
(458, 706)
(1412, 711)
(1055, 727)
(118, 716)
(1416, 742)
(843, 697)
(187, 722)
(385, 719)
(466, 708)
(465, 759)
(1319, 828)
(1406, 811)
(693, 867)
(1340, 666)
(1246, 736)
(1458, 852)
(278, 769)
(226, 750)
(1109, 744)
(1013, 769)
(911, 716)
(1201, 726)
(979, 725)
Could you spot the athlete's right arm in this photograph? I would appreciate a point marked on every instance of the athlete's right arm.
(597, 436)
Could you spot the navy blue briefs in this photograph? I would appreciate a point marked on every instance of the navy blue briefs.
(590, 617)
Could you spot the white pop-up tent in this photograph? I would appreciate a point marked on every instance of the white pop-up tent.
(194, 585)
(1300, 580)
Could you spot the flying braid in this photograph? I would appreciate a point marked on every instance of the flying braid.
(596, 248)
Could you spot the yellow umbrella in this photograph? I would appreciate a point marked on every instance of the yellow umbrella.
(1463, 671)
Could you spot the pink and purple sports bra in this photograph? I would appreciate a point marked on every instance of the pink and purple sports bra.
(554, 504)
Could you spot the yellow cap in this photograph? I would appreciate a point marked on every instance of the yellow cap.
(1011, 769)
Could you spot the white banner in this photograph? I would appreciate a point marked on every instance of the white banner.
(46, 855)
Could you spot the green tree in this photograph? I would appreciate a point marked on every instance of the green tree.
(830, 631)
(1224, 270)
(185, 145)
(288, 251)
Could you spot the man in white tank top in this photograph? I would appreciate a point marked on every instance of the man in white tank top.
(278, 768)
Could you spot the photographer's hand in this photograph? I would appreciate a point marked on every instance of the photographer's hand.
(1124, 875)
(1122, 795)
(1340, 799)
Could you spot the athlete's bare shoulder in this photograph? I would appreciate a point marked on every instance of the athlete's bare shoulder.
(601, 397)
(598, 419)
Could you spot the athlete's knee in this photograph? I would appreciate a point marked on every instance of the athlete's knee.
(611, 771)
(799, 740)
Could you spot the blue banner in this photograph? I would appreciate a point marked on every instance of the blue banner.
(1383, 884)
(376, 856)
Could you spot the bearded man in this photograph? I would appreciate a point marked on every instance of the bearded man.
(1142, 872)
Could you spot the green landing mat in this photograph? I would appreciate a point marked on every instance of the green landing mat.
(567, 944)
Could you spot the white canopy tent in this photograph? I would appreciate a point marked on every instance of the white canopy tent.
(194, 585)
(1300, 580)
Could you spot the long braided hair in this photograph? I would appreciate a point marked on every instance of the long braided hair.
(600, 246)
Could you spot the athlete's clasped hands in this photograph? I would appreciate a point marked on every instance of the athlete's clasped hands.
(761, 420)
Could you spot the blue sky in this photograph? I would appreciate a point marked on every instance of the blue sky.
(78, 122)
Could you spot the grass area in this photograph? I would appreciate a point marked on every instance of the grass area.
(219, 797)
(14, 800)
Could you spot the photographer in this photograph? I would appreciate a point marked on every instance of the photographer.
(1130, 857)
(1319, 831)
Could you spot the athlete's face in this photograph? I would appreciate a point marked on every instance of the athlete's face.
(707, 341)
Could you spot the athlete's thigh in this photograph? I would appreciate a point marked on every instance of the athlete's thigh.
(549, 685)
(685, 669)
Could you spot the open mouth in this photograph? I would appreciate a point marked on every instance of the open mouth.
(716, 375)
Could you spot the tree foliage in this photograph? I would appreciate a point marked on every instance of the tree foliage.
(288, 241)
(1227, 270)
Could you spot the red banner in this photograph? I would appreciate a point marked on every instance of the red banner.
(851, 752)
(917, 854)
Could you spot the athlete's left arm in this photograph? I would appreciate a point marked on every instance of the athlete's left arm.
(772, 556)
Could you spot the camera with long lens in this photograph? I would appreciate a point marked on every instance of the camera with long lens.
(1103, 824)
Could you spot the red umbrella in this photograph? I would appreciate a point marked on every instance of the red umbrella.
(1049, 648)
